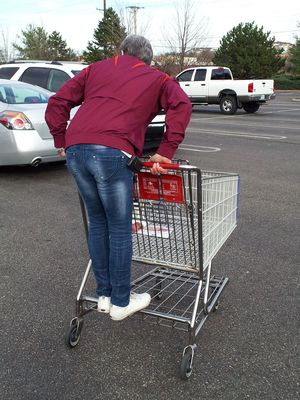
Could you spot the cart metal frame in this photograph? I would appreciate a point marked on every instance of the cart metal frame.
(180, 221)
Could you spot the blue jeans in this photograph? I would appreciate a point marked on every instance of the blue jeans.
(105, 184)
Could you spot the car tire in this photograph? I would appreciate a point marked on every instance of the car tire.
(251, 107)
(228, 105)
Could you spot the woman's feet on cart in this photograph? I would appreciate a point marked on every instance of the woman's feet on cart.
(137, 302)
(104, 304)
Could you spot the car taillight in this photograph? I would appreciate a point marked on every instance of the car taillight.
(250, 87)
(15, 120)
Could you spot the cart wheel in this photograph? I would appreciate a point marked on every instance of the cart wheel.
(74, 333)
(216, 306)
(186, 366)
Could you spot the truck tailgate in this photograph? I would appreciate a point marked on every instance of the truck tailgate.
(263, 86)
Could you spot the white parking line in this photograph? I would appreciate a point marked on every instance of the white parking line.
(282, 111)
(214, 117)
(222, 133)
(284, 104)
(257, 125)
(204, 149)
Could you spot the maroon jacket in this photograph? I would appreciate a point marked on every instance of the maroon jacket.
(119, 96)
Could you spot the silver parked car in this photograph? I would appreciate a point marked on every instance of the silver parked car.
(24, 134)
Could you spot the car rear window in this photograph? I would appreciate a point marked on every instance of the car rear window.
(56, 79)
(36, 76)
(220, 73)
(21, 94)
(8, 72)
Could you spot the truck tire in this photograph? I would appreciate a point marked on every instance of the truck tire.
(251, 107)
(228, 105)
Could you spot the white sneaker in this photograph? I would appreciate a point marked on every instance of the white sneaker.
(137, 302)
(104, 304)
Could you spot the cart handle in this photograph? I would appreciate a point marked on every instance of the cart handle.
(149, 164)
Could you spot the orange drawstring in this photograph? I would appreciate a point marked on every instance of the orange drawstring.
(167, 77)
(138, 65)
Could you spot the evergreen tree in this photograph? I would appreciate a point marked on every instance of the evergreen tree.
(36, 44)
(107, 37)
(57, 48)
(33, 43)
(249, 52)
(295, 56)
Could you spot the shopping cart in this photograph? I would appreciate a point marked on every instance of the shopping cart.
(180, 221)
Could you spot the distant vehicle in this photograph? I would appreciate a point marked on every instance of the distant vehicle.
(215, 85)
(50, 75)
(24, 135)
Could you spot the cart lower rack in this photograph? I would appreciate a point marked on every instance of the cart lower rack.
(180, 221)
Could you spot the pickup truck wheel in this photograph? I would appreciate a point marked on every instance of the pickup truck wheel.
(251, 107)
(228, 105)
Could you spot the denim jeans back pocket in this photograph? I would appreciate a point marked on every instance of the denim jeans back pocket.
(105, 168)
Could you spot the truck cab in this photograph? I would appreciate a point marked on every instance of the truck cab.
(194, 81)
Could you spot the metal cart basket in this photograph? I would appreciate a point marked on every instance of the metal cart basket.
(180, 221)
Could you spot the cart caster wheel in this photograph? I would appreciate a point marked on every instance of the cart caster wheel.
(74, 333)
(186, 367)
(216, 306)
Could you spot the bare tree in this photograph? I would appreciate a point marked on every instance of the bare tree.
(188, 32)
(205, 56)
(167, 63)
(6, 50)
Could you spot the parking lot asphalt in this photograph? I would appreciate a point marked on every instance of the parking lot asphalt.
(248, 349)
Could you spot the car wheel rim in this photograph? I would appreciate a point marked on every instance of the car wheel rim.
(227, 106)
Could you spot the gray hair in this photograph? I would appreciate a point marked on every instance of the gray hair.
(137, 46)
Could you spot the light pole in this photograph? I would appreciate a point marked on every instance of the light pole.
(134, 10)
(103, 9)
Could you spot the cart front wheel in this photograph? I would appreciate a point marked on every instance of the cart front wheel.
(74, 333)
(216, 306)
(186, 366)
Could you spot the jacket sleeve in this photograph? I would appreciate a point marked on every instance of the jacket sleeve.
(57, 114)
(178, 110)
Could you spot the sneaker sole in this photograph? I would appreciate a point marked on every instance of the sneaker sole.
(103, 311)
(106, 309)
(129, 315)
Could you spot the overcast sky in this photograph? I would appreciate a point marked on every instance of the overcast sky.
(76, 20)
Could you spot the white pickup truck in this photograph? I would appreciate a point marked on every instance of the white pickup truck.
(215, 85)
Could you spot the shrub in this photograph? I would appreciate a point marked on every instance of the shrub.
(286, 82)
